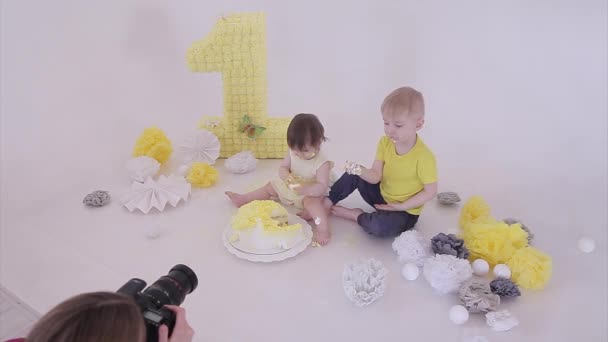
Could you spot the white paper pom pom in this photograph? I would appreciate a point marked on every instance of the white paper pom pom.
(446, 273)
(141, 168)
(480, 267)
(411, 247)
(364, 281)
(459, 314)
(586, 245)
(241, 162)
(501, 320)
(502, 271)
(410, 271)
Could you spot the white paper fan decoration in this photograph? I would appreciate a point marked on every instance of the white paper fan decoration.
(201, 146)
(140, 168)
(156, 194)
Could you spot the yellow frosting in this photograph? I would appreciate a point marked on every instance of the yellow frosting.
(268, 212)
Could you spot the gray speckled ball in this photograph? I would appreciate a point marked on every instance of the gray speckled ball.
(448, 198)
(97, 198)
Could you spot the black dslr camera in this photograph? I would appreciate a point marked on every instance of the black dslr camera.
(167, 290)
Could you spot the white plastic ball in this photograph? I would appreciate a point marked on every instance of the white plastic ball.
(459, 314)
(586, 245)
(183, 169)
(480, 267)
(410, 271)
(502, 271)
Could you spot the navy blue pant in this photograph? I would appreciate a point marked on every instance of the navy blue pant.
(382, 223)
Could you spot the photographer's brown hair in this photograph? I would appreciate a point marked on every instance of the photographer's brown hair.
(91, 317)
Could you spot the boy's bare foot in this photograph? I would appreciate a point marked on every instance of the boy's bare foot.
(237, 199)
(347, 213)
(321, 235)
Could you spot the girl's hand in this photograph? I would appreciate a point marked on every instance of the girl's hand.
(389, 207)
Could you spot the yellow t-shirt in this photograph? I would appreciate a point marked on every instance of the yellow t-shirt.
(405, 175)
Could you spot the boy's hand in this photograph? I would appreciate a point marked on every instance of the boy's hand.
(389, 207)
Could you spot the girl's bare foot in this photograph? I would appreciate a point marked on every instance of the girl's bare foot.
(347, 213)
(305, 215)
(237, 199)
(321, 235)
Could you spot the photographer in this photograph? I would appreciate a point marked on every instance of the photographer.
(103, 316)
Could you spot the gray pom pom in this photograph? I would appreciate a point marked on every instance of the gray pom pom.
(504, 287)
(448, 198)
(477, 296)
(449, 244)
(523, 226)
(97, 198)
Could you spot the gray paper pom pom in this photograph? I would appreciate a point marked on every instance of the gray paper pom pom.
(449, 244)
(523, 226)
(477, 296)
(97, 198)
(504, 287)
(448, 198)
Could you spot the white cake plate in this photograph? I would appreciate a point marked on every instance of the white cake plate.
(269, 255)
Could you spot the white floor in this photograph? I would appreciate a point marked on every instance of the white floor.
(62, 248)
(516, 113)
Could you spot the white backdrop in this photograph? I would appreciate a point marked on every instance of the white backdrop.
(516, 97)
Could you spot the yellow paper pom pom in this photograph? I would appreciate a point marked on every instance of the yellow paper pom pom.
(494, 242)
(476, 210)
(530, 268)
(202, 175)
(153, 143)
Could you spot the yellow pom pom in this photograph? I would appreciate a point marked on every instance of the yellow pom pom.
(530, 268)
(153, 143)
(202, 175)
(476, 210)
(494, 242)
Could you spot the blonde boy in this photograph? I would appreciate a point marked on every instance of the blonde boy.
(403, 176)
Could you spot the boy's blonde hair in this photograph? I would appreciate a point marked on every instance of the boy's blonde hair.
(404, 101)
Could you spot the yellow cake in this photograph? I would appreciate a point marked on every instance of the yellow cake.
(265, 223)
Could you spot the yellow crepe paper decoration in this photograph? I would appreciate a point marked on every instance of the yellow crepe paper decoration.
(236, 47)
(530, 268)
(494, 242)
(202, 175)
(476, 210)
(153, 143)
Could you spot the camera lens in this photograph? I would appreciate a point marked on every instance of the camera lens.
(172, 288)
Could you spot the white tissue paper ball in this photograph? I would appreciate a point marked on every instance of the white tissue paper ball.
(480, 267)
(412, 247)
(241, 162)
(459, 314)
(140, 168)
(445, 273)
(586, 245)
(410, 271)
(502, 271)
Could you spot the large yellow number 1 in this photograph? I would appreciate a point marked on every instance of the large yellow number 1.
(236, 47)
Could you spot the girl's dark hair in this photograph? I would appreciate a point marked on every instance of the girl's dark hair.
(305, 129)
(92, 317)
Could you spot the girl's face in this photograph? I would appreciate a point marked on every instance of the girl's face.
(307, 152)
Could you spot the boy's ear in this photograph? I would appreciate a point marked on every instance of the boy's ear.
(420, 123)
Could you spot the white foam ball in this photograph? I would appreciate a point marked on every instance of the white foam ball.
(586, 245)
(481, 267)
(182, 170)
(410, 271)
(459, 314)
(502, 271)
